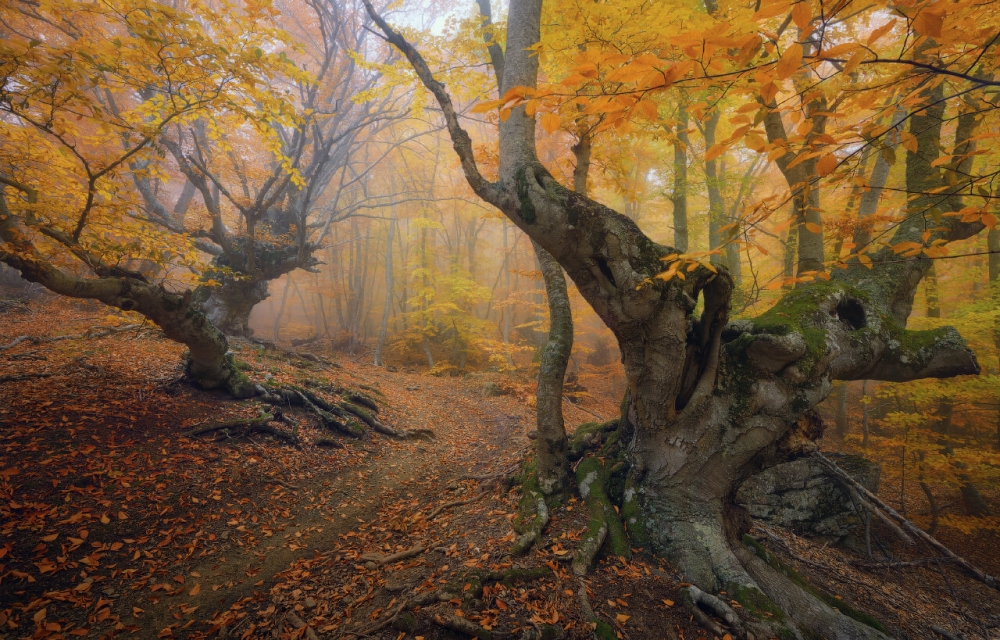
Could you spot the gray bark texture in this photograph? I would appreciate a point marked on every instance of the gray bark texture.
(710, 402)
(552, 465)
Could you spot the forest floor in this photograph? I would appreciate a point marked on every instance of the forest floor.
(112, 523)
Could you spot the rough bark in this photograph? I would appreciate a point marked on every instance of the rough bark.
(710, 402)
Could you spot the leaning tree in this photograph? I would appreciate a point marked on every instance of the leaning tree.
(710, 401)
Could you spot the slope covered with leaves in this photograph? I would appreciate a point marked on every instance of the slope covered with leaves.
(115, 523)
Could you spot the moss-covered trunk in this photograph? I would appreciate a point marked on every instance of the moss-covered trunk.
(551, 463)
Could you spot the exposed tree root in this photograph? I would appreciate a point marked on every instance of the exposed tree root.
(463, 625)
(329, 442)
(602, 630)
(454, 503)
(699, 602)
(229, 424)
(913, 529)
(362, 401)
(458, 589)
(944, 633)
(533, 530)
(379, 559)
(543, 632)
(299, 623)
(243, 427)
(592, 480)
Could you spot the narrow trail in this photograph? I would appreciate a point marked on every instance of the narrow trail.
(474, 435)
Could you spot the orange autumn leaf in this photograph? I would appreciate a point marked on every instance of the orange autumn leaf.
(790, 61)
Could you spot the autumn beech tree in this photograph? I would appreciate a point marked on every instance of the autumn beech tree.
(265, 218)
(711, 400)
(86, 96)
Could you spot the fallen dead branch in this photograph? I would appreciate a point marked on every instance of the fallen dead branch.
(24, 376)
(913, 529)
(898, 564)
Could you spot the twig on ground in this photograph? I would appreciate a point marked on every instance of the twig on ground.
(896, 564)
(456, 503)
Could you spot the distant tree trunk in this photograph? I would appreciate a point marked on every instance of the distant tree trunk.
(581, 151)
(791, 253)
(383, 328)
(842, 423)
(713, 182)
(933, 505)
(864, 415)
(931, 293)
(281, 309)
(993, 246)
(507, 310)
(880, 174)
(679, 195)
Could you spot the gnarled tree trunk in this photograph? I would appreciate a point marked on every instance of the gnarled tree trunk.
(209, 362)
(710, 401)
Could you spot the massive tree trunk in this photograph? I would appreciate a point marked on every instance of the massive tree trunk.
(710, 401)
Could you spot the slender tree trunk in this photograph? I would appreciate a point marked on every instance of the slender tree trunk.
(713, 182)
(507, 311)
(387, 307)
(679, 195)
(281, 309)
(841, 422)
(880, 175)
(864, 415)
(931, 293)
(551, 462)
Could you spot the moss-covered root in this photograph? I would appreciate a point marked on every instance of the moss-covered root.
(601, 630)
(533, 529)
(329, 420)
(370, 420)
(604, 522)
(700, 602)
